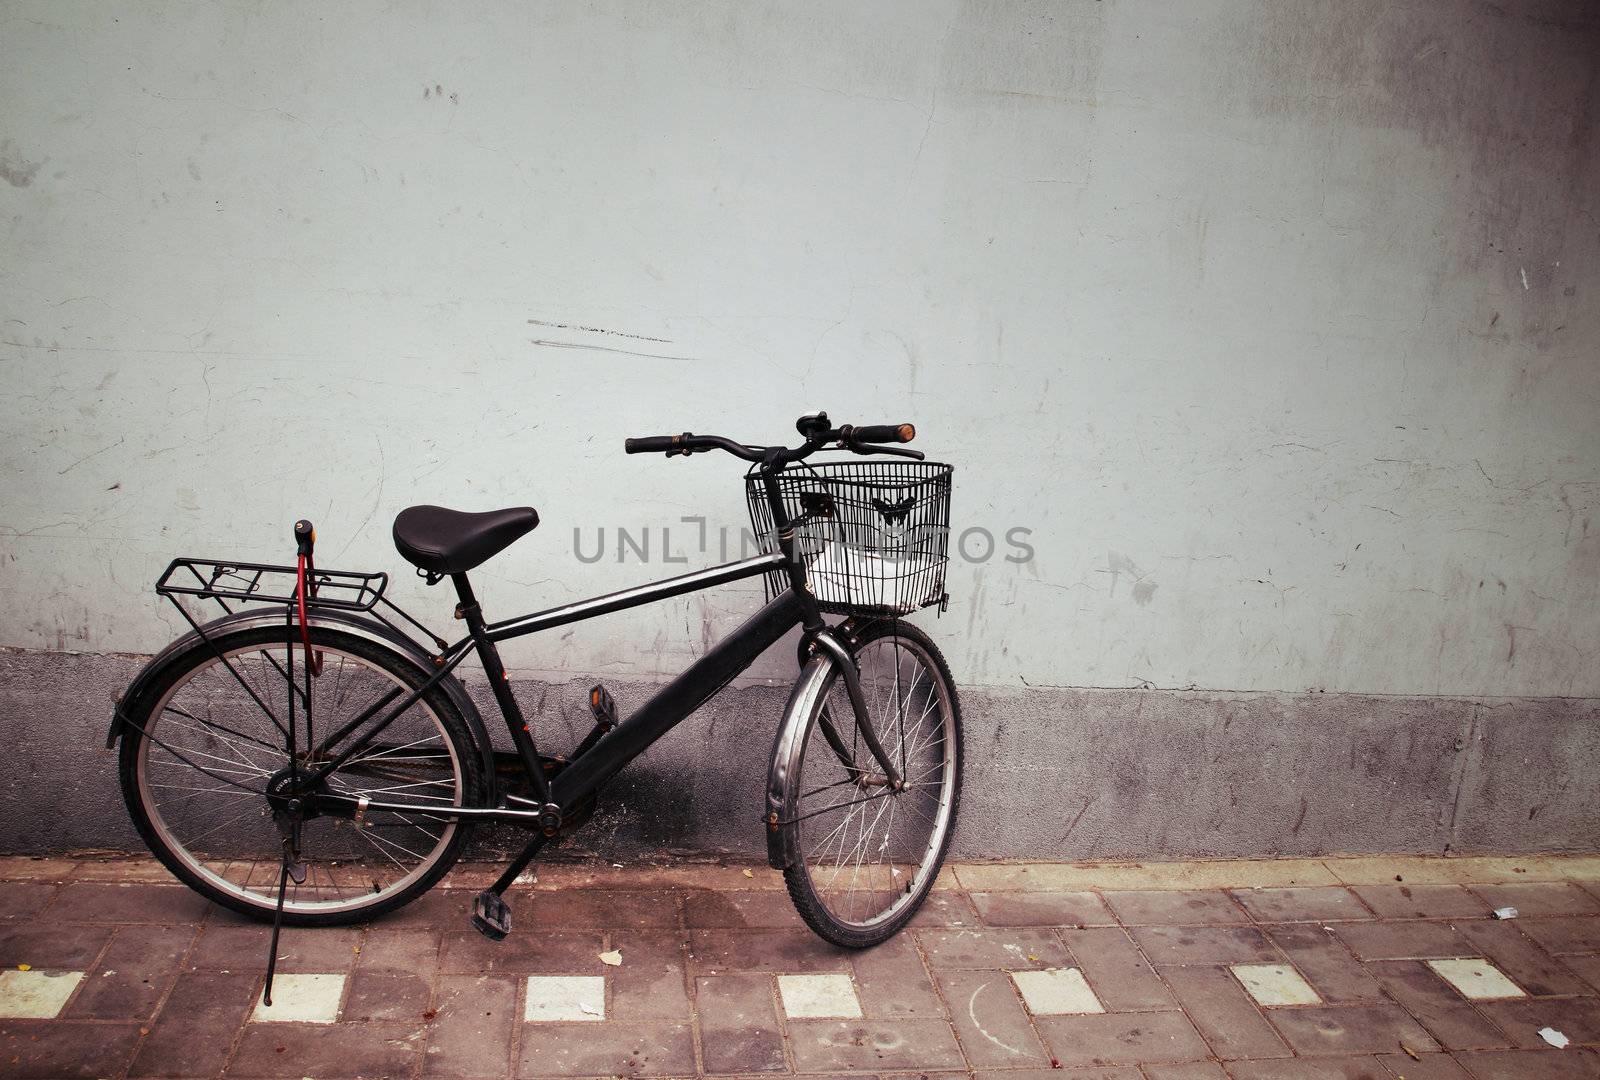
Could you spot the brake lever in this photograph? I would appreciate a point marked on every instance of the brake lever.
(879, 448)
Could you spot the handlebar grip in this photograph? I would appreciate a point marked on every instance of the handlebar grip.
(651, 444)
(883, 433)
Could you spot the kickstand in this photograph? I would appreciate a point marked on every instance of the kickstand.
(290, 868)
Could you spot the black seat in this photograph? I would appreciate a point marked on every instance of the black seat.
(444, 541)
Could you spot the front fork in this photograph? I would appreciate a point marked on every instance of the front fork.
(818, 633)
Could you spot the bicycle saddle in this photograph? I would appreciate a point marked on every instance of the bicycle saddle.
(443, 541)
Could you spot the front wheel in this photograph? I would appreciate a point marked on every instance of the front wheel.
(208, 738)
(860, 858)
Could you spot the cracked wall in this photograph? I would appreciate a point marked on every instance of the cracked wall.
(1274, 325)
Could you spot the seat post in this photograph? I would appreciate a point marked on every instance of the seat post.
(500, 684)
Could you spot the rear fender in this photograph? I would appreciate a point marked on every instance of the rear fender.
(346, 621)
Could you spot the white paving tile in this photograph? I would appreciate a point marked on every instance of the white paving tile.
(302, 998)
(1276, 984)
(565, 997)
(36, 995)
(1056, 992)
(830, 996)
(1477, 978)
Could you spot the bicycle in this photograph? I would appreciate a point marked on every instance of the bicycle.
(324, 729)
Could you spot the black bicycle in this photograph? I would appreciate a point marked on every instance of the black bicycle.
(311, 758)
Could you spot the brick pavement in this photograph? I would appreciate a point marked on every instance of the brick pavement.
(1289, 969)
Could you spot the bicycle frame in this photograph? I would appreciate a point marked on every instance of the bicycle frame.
(586, 773)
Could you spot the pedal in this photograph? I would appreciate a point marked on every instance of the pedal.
(491, 916)
(603, 706)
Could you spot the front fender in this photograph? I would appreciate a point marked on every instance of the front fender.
(786, 750)
(347, 621)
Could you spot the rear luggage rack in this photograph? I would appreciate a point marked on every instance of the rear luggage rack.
(346, 590)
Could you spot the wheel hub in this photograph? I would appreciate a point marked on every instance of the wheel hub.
(286, 794)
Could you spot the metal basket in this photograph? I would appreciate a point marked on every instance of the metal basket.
(874, 534)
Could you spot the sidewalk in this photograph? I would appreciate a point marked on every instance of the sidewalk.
(1332, 968)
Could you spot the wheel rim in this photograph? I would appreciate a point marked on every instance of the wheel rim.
(211, 748)
(870, 853)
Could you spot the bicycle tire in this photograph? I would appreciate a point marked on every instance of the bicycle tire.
(810, 900)
(252, 892)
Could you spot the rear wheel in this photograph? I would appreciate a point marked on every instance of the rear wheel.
(208, 739)
(862, 857)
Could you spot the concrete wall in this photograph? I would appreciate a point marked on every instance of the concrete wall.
(1276, 324)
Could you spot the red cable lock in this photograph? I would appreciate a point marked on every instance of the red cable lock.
(307, 537)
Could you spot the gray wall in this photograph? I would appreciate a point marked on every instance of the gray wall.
(1276, 324)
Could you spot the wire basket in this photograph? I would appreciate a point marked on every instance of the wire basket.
(874, 534)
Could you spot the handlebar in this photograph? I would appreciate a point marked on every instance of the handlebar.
(865, 439)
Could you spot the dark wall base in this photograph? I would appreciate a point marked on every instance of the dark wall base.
(1051, 773)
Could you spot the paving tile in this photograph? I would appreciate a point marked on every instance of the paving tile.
(1171, 945)
(644, 1049)
(829, 995)
(1181, 1070)
(747, 909)
(392, 996)
(1572, 1064)
(24, 899)
(1563, 935)
(302, 997)
(1225, 1015)
(1513, 952)
(328, 1051)
(470, 1034)
(650, 984)
(831, 1045)
(133, 973)
(191, 1034)
(1450, 1020)
(60, 948)
(1364, 1067)
(1175, 908)
(1423, 1067)
(1121, 1038)
(36, 995)
(1538, 898)
(55, 1049)
(1403, 940)
(1576, 1018)
(1351, 1029)
(1107, 1072)
(437, 909)
(116, 902)
(1587, 967)
(1476, 978)
(1325, 962)
(1011, 949)
(1314, 904)
(571, 952)
(892, 980)
(1421, 901)
(1056, 992)
(1202, 874)
(570, 998)
(412, 951)
(39, 868)
(1275, 985)
(989, 1020)
(946, 908)
(739, 1030)
(599, 909)
(722, 951)
(243, 947)
(1117, 971)
(1042, 909)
